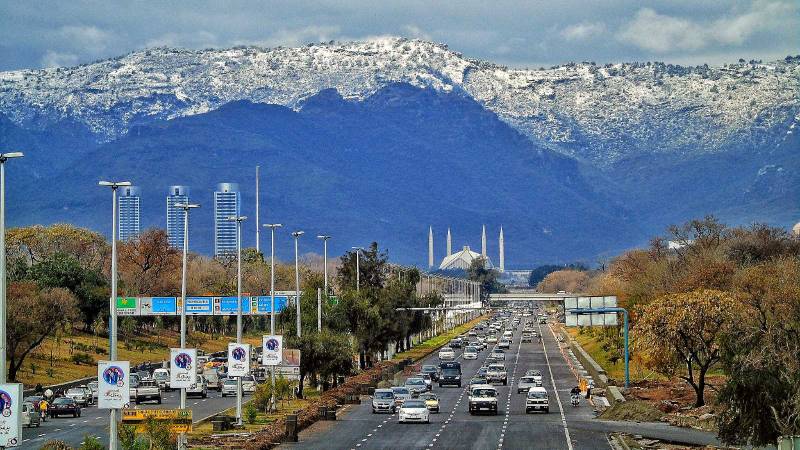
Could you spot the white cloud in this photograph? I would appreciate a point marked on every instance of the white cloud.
(416, 32)
(661, 33)
(56, 59)
(89, 38)
(581, 31)
(195, 39)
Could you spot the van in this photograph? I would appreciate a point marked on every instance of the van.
(212, 379)
(162, 378)
(537, 399)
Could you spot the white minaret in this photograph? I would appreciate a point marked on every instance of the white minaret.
(483, 242)
(430, 247)
(449, 243)
(502, 251)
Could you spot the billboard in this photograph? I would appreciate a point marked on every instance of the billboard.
(183, 367)
(588, 320)
(10, 415)
(272, 350)
(113, 384)
(238, 359)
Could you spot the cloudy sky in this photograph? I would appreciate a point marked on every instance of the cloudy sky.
(519, 33)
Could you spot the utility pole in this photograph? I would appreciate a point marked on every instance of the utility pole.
(296, 235)
(325, 238)
(238, 220)
(185, 207)
(272, 227)
(258, 206)
(3, 158)
(358, 268)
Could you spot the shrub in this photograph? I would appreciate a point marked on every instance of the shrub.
(82, 358)
(250, 413)
(91, 443)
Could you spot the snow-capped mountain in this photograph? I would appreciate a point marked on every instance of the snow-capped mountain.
(598, 114)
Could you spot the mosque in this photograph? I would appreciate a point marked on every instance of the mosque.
(462, 259)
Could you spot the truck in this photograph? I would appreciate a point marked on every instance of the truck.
(496, 373)
(450, 373)
(482, 398)
(147, 390)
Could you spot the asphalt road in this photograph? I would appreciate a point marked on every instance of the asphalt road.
(94, 422)
(454, 427)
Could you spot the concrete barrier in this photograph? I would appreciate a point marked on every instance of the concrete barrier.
(614, 395)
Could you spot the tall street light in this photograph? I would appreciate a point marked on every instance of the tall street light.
(185, 207)
(272, 227)
(358, 267)
(238, 220)
(325, 238)
(296, 235)
(3, 158)
(112, 322)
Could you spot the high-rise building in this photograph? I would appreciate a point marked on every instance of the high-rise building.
(176, 195)
(227, 203)
(502, 251)
(129, 213)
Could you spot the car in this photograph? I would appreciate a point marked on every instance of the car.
(471, 353)
(525, 383)
(82, 395)
(64, 406)
(477, 380)
(508, 335)
(383, 401)
(447, 354)
(147, 390)
(248, 384)
(401, 394)
(416, 385)
(505, 343)
(431, 401)
(30, 415)
(428, 380)
(431, 370)
(34, 399)
(413, 410)
(491, 339)
(472, 333)
(229, 387)
(527, 337)
(198, 389)
(451, 374)
(536, 374)
(497, 355)
(456, 343)
(482, 397)
(213, 380)
(94, 387)
(162, 378)
(537, 399)
(482, 371)
(497, 374)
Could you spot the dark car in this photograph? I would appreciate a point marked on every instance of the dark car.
(64, 406)
(431, 370)
(456, 343)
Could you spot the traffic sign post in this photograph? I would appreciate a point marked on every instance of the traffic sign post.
(614, 310)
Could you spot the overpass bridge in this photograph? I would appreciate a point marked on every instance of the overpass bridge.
(527, 295)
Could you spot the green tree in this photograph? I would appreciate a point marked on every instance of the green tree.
(372, 268)
(486, 277)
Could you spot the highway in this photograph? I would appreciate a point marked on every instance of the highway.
(94, 421)
(454, 427)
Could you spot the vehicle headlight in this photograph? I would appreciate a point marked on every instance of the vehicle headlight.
(458, 377)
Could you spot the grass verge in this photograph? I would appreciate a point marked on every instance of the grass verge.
(632, 411)
(425, 348)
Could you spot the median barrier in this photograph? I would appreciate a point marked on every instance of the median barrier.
(291, 428)
(322, 412)
(331, 415)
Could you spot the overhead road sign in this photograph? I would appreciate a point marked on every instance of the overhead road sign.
(199, 305)
(603, 319)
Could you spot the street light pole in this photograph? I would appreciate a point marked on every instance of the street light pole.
(3, 158)
(325, 238)
(358, 268)
(296, 235)
(272, 227)
(238, 220)
(112, 323)
(185, 207)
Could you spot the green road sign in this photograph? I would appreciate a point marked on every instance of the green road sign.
(126, 306)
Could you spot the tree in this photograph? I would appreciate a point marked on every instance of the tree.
(34, 314)
(680, 334)
(372, 265)
(486, 277)
(538, 274)
(148, 265)
(565, 280)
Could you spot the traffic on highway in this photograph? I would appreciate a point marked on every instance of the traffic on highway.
(481, 395)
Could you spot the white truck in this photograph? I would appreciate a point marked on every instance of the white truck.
(482, 398)
(147, 390)
(497, 374)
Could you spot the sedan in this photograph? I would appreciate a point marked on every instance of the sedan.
(63, 406)
(416, 385)
(81, 395)
(505, 343)
(401, 395)
(428, 380)
(414, 410)
(497, 355)
(431, 370)
(447, 354)
(525, 384)
(536, 375)
(431, 401)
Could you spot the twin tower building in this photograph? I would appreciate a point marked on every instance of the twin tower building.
(461, 260)
(227, 202)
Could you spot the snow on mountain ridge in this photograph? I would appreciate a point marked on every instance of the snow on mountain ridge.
(599, 114)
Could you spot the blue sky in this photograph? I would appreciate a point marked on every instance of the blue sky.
(534, 33)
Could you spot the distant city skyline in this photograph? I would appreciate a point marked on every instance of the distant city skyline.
(515, 32)
(129, 213)
(227, 203)
(175, 220)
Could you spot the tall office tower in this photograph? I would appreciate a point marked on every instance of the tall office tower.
(129, 212)
(449, 243)
(430, 247)
(502, 251)
(176, 195)
(227, 203)
(483, 242)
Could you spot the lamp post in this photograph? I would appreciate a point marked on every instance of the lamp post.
(358, 267)
(3, 158)
(112, 323)
(272, 227)
(296, 235)
(185, 207)
(238, 220)
(325, 238)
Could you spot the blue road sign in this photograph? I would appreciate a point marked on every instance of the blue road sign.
(164, 305)
(199, 305)
(227, 305)
(265, 303)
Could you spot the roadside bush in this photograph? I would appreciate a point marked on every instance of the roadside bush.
(250, 413)
(56, 445)
(262, 396)
(82, 358)
(91, 443)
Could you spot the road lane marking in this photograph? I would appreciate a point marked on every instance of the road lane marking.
(553, 380)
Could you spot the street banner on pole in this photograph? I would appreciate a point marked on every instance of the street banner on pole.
(272, 350)
(183, 367)
(10, 415)
(113, 384)
(238, 359)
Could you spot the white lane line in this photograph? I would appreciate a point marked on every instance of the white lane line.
(558, 398)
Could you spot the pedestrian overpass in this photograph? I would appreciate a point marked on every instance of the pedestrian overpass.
(530, 296)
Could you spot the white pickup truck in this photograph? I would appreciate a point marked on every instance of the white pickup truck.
(482, 398)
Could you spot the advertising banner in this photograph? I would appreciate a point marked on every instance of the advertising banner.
(10, 415)
(272, 350)
(238, 359)
(113, 384)
(183, 367)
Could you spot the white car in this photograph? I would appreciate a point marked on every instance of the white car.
(229, 387)
(525, 384)
(471, 353)
(199, 388)
(536, 375)
(162, 378)
(497, 355)
(248, 384)
(447, 354)
(401, 394)
(537, 399)
(413, 410)
(483, 397)
(505, 343)
(492, 339)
